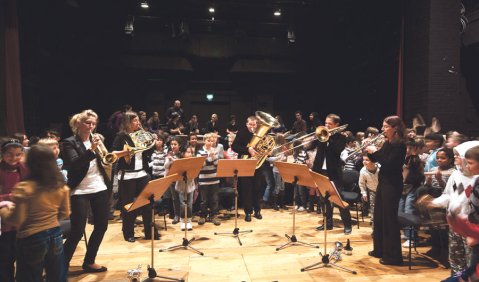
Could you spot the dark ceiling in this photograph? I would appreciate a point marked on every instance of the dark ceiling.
(78, 50)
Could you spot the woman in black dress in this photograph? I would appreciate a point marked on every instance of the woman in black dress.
(386, 235)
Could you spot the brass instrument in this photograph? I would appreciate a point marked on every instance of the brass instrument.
(370, 142)
(143, 141)
(106, 157)
(321, 134)
(261, 142)
(335, 255)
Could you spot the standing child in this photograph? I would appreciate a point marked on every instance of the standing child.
(186, 192)
(208, 182)
(12, 171)
(300, 157)
(368, 183)
(278, 155)
(454, 198)
(157, 163)
(437, 178)
(172, 155)
(40, 203)
(53, 144)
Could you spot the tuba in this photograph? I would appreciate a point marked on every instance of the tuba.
(143, 141)
(262, 142)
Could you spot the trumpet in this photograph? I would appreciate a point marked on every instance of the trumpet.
(106, 157)
(354, 154)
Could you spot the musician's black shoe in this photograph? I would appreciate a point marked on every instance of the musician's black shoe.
(89, 269)
(374, 254)
(347, 230)
(321, 227)
(258, 215)
(247, 217)
(391, 262)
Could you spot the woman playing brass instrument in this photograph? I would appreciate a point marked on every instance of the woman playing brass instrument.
(132, 176)
(90, 186)
(386, 236)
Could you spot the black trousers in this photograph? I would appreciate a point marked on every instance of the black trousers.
(79, 213)
(345, 214)
(387, 236)
(129, 190)
(7, 256)
(250, 191)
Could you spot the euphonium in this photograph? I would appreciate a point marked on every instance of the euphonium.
(106, 157)
(261, 142)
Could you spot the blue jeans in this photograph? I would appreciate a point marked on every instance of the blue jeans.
(189, 205)
(278, 183)
(407, 205)
(268, 176)
(43, 249)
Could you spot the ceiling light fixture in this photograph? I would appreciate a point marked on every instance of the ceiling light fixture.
(211, 10)
(277, 13)
(144, 5)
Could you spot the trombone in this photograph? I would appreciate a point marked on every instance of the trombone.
(322, 134)
(359, 150)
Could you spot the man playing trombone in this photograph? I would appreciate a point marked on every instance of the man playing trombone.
(328, 163)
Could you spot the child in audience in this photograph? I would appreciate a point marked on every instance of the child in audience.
(180, 188)
(455, 200)
(278, 155)
(157, 158)
(368, 183)
(437, 178)
(300, 157)
(208, 182)
(433, 143)
(53, 144)
(12, 171)
(172, 155)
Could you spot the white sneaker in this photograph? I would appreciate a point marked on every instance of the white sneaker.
(301, 209)
(189, 226)
(182, 226)
(406, 244)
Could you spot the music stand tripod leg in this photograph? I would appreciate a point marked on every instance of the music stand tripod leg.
(292, 240)
(185, 242)
(236, 231)
(325, 258)
(151, 268)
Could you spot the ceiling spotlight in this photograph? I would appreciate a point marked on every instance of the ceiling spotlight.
(144, 5)
(291, 35)
(277, 13)
(211, 10)
(130, 25)
(210, 96)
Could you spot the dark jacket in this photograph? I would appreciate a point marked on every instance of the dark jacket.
(331, 150)
(120, 140)
(241, 142)
(76, 160)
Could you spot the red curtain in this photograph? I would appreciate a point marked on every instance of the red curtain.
(13, 88)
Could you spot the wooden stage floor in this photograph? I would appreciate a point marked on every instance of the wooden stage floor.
(257, 259)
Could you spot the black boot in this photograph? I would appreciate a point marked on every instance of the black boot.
(275, 203)
(311, 203)
(281, 200)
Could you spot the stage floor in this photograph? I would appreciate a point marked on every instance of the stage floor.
(257, 259)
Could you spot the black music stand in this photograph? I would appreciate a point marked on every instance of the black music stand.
(151, 193)
(188, 168)
(296, 174)
(235, 168)
(327, 190)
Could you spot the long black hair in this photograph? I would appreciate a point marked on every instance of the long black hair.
(43, 168)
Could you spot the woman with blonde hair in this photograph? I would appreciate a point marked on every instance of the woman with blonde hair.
(90, 187)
